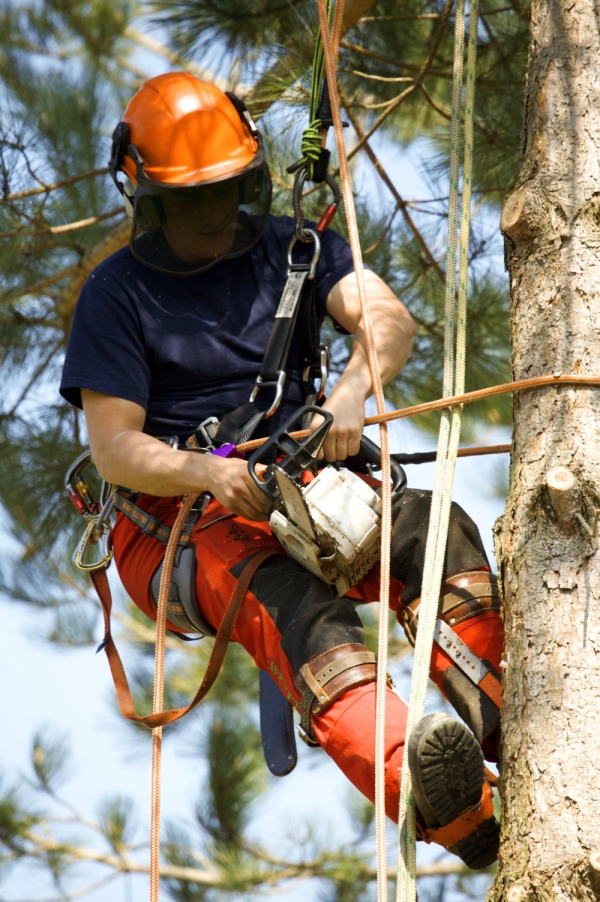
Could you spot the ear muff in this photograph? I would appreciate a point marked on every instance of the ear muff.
(120, 143)
(251, 187)
(148, 213)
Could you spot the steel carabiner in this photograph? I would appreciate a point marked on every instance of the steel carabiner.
(298, 204)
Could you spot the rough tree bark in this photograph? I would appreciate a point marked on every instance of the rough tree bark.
(548, 560)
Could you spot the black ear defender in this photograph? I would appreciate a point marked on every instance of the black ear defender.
(244, 115)
(120, 142)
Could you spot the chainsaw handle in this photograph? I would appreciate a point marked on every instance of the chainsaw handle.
(371, 454)
(300, 454)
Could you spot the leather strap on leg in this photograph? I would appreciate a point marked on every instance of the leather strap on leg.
(327, 676)
(462, 596)
(463, 825)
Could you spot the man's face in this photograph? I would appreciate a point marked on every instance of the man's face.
(201, 225)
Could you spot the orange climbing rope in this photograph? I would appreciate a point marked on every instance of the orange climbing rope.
(480, 394)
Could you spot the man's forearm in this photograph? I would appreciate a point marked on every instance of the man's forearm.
(143, 463)
(393, 343)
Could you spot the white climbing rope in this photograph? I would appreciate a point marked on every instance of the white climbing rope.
(449, 434)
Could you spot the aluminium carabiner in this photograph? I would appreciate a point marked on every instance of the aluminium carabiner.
(313, 236)
(90, 539)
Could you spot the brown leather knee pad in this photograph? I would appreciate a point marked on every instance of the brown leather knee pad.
(325, 677)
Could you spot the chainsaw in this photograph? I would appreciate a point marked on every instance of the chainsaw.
(325, 515)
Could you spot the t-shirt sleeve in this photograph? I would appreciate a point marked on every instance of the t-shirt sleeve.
(106, 350)
(334, 263)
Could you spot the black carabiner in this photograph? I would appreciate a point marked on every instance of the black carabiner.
(298, 203)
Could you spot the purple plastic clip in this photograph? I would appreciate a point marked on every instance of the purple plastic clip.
(228, 450)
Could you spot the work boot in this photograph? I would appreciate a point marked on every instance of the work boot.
(470, 610)
(454, 800)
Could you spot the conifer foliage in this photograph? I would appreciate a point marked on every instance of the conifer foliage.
(67, 69)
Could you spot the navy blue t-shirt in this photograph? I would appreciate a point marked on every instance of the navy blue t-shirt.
(186, 348)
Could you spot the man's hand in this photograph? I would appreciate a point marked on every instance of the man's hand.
(347, 404)
(228, 479)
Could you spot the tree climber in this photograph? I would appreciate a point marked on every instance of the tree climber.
(170, 332)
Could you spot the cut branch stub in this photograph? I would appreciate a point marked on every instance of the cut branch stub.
(524, 215)
(516, 893)
(595, 871)
(564, 497)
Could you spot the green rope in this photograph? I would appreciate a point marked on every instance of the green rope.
(311, 139)
(311, 145)
(449, 435)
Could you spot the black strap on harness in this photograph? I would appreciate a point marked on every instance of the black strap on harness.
(297, 307)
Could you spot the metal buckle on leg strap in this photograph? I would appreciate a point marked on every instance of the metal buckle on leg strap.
(478, 671)
(315, 694)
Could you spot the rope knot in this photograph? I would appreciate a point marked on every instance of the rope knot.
(311, 145)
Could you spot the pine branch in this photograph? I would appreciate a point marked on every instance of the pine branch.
(46, 189)
(67, 227)
(92, 258)
(400, 18)
(423, 72)
(38, 287)
(272, 84)
(391, 61)
(446, 114)
(123, 864)
(172, 56)
(363, 141)
(369, 75)
(37, 373)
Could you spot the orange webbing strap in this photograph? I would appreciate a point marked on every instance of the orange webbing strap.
(492, 687)
(463, 825)
(222, 639)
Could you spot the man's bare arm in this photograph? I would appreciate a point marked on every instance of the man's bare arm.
(123, 454)
(393, 331)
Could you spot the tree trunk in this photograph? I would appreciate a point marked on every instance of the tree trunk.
(548, 561)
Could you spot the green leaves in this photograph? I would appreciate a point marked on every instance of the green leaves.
(115, 817)
(50, 759)
(236, 775)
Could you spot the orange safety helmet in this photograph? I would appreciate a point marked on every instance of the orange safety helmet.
(198, 188)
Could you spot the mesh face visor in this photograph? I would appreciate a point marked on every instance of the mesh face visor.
(184, 231)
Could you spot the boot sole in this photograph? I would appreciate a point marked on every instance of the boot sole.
(446, 765)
